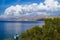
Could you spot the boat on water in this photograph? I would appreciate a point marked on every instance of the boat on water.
(16, 37)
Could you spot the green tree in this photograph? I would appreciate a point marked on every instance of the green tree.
(34, 33)
(49, 31)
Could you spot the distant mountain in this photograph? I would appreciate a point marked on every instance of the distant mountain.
(36, 18)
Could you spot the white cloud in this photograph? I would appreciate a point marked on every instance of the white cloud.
(26, 10)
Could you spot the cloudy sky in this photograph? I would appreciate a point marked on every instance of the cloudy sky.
(29, 8)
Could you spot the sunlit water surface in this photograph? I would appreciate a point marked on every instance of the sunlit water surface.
(9, 29)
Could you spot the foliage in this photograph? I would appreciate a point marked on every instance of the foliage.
(32, 34)
(50, 31)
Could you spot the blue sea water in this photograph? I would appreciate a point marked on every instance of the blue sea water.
(9, 29)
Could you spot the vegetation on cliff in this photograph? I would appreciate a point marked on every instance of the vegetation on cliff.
(50, 31)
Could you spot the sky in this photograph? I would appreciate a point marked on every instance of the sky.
(6, 3)
(21, 8)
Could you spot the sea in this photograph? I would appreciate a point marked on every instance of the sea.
(10, 28)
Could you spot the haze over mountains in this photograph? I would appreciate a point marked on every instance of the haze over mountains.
(25, 18)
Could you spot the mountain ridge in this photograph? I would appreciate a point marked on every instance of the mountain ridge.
(36, 18)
